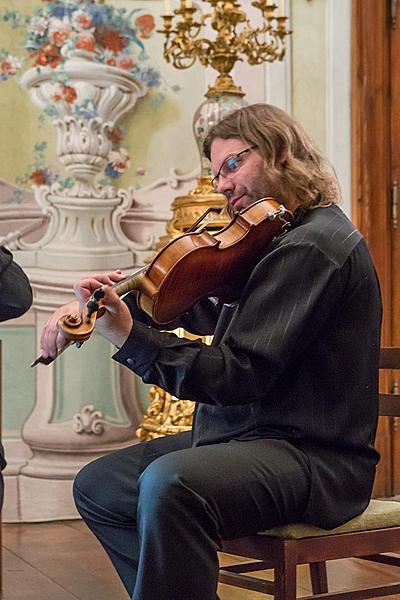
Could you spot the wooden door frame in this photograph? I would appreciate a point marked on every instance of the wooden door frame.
(371, 138)
(372, 173)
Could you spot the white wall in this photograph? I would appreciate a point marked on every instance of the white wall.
(313, 81)
(321, 93)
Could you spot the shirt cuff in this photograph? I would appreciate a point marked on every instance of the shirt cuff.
(140, 348)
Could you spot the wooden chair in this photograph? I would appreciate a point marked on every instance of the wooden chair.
(369, 536)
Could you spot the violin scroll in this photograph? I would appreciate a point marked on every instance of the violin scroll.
(79, 328)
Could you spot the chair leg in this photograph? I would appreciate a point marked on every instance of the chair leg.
(285, 573)
(319, 579)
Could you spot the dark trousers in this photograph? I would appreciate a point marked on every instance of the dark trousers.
(161, 508)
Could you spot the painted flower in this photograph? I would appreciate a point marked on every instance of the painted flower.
(81, 21)
(59, 31)
(9, 65)
(119, 162)
(39, 177)
(57, 9)
(150, 77)
(64, 93)
(85, 110)
(85, 41)
(43, 176)
(114, 35)
(48, 55)
(113, 40)
(57, 94)
(124, 61)
(115, 135)
(145, 24)
(38, 26)
(110, 60)
(70, 94)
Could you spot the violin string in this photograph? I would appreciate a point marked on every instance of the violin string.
(131, 276)
(227, 209)
(204, 225)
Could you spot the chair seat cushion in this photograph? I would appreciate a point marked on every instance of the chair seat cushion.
(378, 515)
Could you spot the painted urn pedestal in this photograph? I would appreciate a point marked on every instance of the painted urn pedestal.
(85, 403)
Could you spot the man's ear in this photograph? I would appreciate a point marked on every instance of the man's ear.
(282, 159)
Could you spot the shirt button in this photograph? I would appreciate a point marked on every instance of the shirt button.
(130, 362)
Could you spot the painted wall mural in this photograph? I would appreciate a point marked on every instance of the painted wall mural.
(120, 33)
(96, 32)
(70, 73)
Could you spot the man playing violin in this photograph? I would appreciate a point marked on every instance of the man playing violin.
(286, 395)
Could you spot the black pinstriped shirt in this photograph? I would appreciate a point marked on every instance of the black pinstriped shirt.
(295, 358)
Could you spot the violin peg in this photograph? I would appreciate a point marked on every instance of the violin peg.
(92, 307)
(98, 294)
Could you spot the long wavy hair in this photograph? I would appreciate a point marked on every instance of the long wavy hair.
(287, 150)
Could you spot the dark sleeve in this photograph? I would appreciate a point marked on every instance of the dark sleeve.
(287, 300)
(15, 290)
(201, 320)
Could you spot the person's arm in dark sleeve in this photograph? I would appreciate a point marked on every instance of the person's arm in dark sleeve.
(15, 289)
(288, 289)
(200, 320)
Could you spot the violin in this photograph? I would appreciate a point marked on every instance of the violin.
(194, 266)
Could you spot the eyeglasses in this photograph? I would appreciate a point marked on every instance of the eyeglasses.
(230, 165)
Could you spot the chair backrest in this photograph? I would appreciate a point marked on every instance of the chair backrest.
(389, 402)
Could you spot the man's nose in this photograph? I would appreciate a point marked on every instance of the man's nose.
(225, 186)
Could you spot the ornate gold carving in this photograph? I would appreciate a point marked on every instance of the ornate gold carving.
(235, 37)
(166, 415)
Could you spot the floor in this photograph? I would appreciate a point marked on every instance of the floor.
(63, 561)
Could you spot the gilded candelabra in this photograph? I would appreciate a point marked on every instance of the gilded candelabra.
(235, 37)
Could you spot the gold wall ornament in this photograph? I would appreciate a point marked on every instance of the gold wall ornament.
(166, 415)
